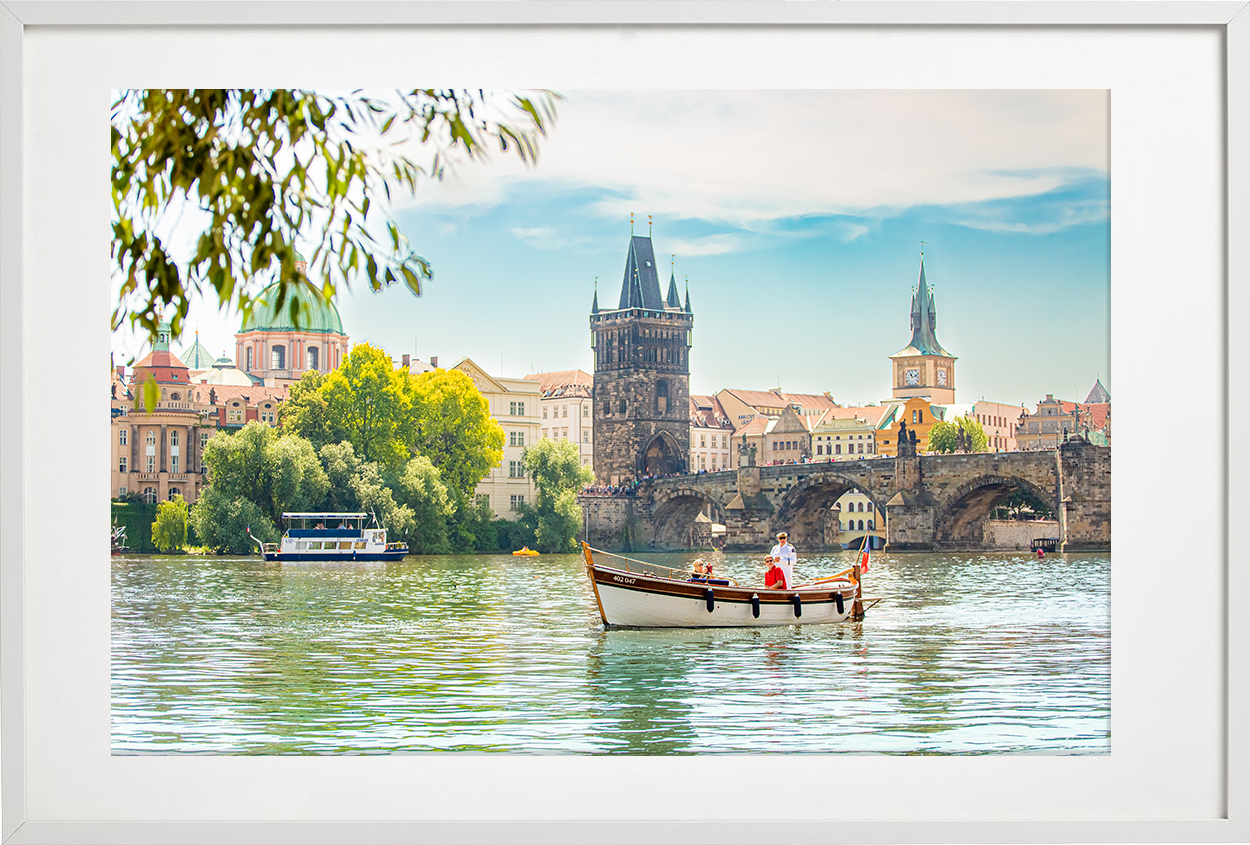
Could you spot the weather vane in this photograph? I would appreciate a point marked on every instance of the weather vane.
(922, 243)
(648, 225)
(631, 223)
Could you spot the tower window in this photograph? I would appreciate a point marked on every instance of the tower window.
(249, 359)
(622, 406)
(313, 358)
(661, 396)
(277, 358)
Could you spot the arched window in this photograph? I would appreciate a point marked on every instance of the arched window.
(249, 359)
(921, 415)
(149, 495)
(870, 525)
(173, 491)
(861, 525)
(913, 417)
(861, 507)
(312, 358)
(277, 357)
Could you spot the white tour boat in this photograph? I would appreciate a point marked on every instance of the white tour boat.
(635, 594)
(331, 536)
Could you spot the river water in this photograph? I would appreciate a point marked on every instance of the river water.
(968, 653)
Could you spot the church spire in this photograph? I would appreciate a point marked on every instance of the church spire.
(924, 319)
(594, 307)
(688, 311)
(673, 300)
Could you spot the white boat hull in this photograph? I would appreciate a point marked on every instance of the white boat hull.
(641, 609)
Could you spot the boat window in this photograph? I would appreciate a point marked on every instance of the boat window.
(360, 544)
(299, 546)
(314, 544)
(345, 544)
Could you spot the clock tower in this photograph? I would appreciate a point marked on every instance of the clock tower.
(923, 367)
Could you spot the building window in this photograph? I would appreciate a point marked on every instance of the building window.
(483, 500)
(564, 410)
(516, 409)
(861, 448)
(661, 396)
(861, 525)
(151, 438)
(585, 435)
(121, 491)
(149, 495)
(516, 469)
(121, 464)
(516, 438)
(277, 357)
(544, 412)
(702, 441)
(203, 440)
(607, 408)
(516, 500)
(173, 438)
(249, 359)
(585, 410)
(121, 437)
(151, 463)
(622, 406)
(837, 449)
(868, 507)
(312, 358)
(173, 491)
(820, 450)
(173, 463)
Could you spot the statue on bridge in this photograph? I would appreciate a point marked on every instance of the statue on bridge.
(906, 441)
(746, 454)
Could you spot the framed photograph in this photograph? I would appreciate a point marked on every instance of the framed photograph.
(1146, 109)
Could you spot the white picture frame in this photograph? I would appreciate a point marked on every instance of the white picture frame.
(45, 788)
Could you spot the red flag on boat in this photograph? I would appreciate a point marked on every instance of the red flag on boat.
(863, 558)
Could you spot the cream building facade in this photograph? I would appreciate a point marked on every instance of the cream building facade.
(516, 404)
(711, 436)
(566, 401)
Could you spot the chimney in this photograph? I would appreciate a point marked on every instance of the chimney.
(407, 360)
(434, 362)
(121, 372)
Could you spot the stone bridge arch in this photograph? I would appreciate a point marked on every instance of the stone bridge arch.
(958, 517)
(662, 455)
(805, 514)
(673, 512)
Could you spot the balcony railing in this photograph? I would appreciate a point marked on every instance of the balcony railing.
(149, 476)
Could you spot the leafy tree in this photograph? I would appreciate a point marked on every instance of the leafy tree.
(367, 398)
(558, 474)
(296, 480)
(359, 486)
(421, 489)
(1023, 504)
(944, 436)
(452, 426)
(169, 531)
(253, 170)
(222, 522)
(306, 413)
(472, 527)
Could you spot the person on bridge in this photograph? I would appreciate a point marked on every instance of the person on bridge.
(784, 557)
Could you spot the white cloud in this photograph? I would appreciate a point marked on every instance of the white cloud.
(709, 245)
(746, 158)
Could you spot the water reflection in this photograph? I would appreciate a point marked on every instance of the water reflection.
(967, 654)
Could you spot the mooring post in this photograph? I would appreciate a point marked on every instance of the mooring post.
(857, 607)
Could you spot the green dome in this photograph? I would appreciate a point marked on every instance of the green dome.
(315, 313)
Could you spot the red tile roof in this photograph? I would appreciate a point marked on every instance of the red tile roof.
(1095, 414)
(707, 412)
(562, 378)
(778, 399)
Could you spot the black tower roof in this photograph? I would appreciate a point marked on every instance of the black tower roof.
(641, 286)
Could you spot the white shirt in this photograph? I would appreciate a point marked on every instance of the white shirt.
(786, 558)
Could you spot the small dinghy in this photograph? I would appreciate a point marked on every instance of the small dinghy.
(636, 594)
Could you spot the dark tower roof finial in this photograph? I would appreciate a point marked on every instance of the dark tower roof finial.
(631, 224)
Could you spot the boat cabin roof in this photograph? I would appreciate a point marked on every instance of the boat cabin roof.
(325, 515)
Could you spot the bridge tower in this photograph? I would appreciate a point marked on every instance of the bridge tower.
(642, 374)
(923, 367)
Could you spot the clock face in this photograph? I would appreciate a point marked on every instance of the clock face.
(941, 377)
(912, 376)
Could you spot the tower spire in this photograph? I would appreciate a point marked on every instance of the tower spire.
(631, 224)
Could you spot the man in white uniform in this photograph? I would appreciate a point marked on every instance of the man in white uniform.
(784, 555)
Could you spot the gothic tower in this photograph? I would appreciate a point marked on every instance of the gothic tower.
(923, 367)
(642, 374)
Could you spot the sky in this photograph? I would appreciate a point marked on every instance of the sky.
(797, 218)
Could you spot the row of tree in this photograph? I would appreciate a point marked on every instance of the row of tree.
(367, 437)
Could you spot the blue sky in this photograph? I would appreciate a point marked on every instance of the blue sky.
(797, 218)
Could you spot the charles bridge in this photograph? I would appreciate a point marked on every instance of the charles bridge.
(930, 501)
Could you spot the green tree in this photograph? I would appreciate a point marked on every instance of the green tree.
(253, 170)
(944, 436)
(368, 400)
(356, 485)
(452, 426)
(306, 413)
(296, 480)
(169, 531)
(422, 490)
(558, 474)
(222, 523)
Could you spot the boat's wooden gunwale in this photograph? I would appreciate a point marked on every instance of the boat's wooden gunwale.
(622, 579)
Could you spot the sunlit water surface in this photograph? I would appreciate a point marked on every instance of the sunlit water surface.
(968, 653)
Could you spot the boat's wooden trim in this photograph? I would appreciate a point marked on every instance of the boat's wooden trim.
(696, 589)
(590, 570)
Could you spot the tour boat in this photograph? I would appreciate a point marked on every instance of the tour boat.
(118, 539)
(525, 551)
(635, 594)
(331, 536)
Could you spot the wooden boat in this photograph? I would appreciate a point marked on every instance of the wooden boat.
(330, 537)
(117, 542)
(526, 551)
(635, 594)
